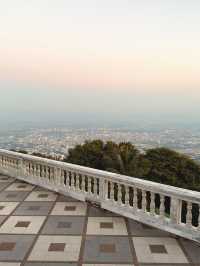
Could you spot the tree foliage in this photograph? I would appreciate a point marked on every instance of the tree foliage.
(160, 164)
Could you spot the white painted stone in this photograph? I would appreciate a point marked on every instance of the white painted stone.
(50, 175)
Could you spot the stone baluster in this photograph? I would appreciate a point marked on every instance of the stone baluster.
(34, 170)
(199, 218)
(76, 177)
(89, 185)
(152, 203)
(26, 169)
(135, 199)
(50, 175)
(62, 177)
(175, 210)
(162, 205)
(83, 183)
(31, 169)
(126, 196)
(106, 184)
(46, 173)
(95, 186)
(42, 171)
(119, 194)
(72, 179)
(53, 174)
(20, 170)
(112, 191)
(144, 201)
(57, 176)
(67, 179)
(77, 181)
(189, 214)
(38, 171)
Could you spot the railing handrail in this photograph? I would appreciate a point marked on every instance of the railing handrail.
(168, 190)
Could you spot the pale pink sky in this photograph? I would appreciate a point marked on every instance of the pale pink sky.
(101, 44)
(105, 46)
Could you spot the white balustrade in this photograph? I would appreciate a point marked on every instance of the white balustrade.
(168, 208)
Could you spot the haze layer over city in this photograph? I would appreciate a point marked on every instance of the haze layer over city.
(116, 70)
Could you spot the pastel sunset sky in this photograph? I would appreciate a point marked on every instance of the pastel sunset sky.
(122, 56)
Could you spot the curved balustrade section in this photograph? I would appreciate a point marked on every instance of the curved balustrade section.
(172, 209)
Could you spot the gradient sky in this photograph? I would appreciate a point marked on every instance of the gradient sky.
(117, 56)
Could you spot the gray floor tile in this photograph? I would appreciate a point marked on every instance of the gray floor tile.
(64, 225)
(34, 208)
(139, 229)
(50, 264)
(98, 212)
(2, 218)
(4, 185)
(107, 249)
(13, 195)
(62, 198)
(21, 245)
(192, 249)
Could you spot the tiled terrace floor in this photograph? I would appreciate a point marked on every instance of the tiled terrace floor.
(42, 228)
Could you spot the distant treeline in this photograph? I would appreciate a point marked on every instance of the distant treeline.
(159, 164)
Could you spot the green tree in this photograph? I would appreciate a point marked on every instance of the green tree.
(160, 164)
(172, 168)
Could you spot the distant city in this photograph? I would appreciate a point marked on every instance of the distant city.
(57, 141)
